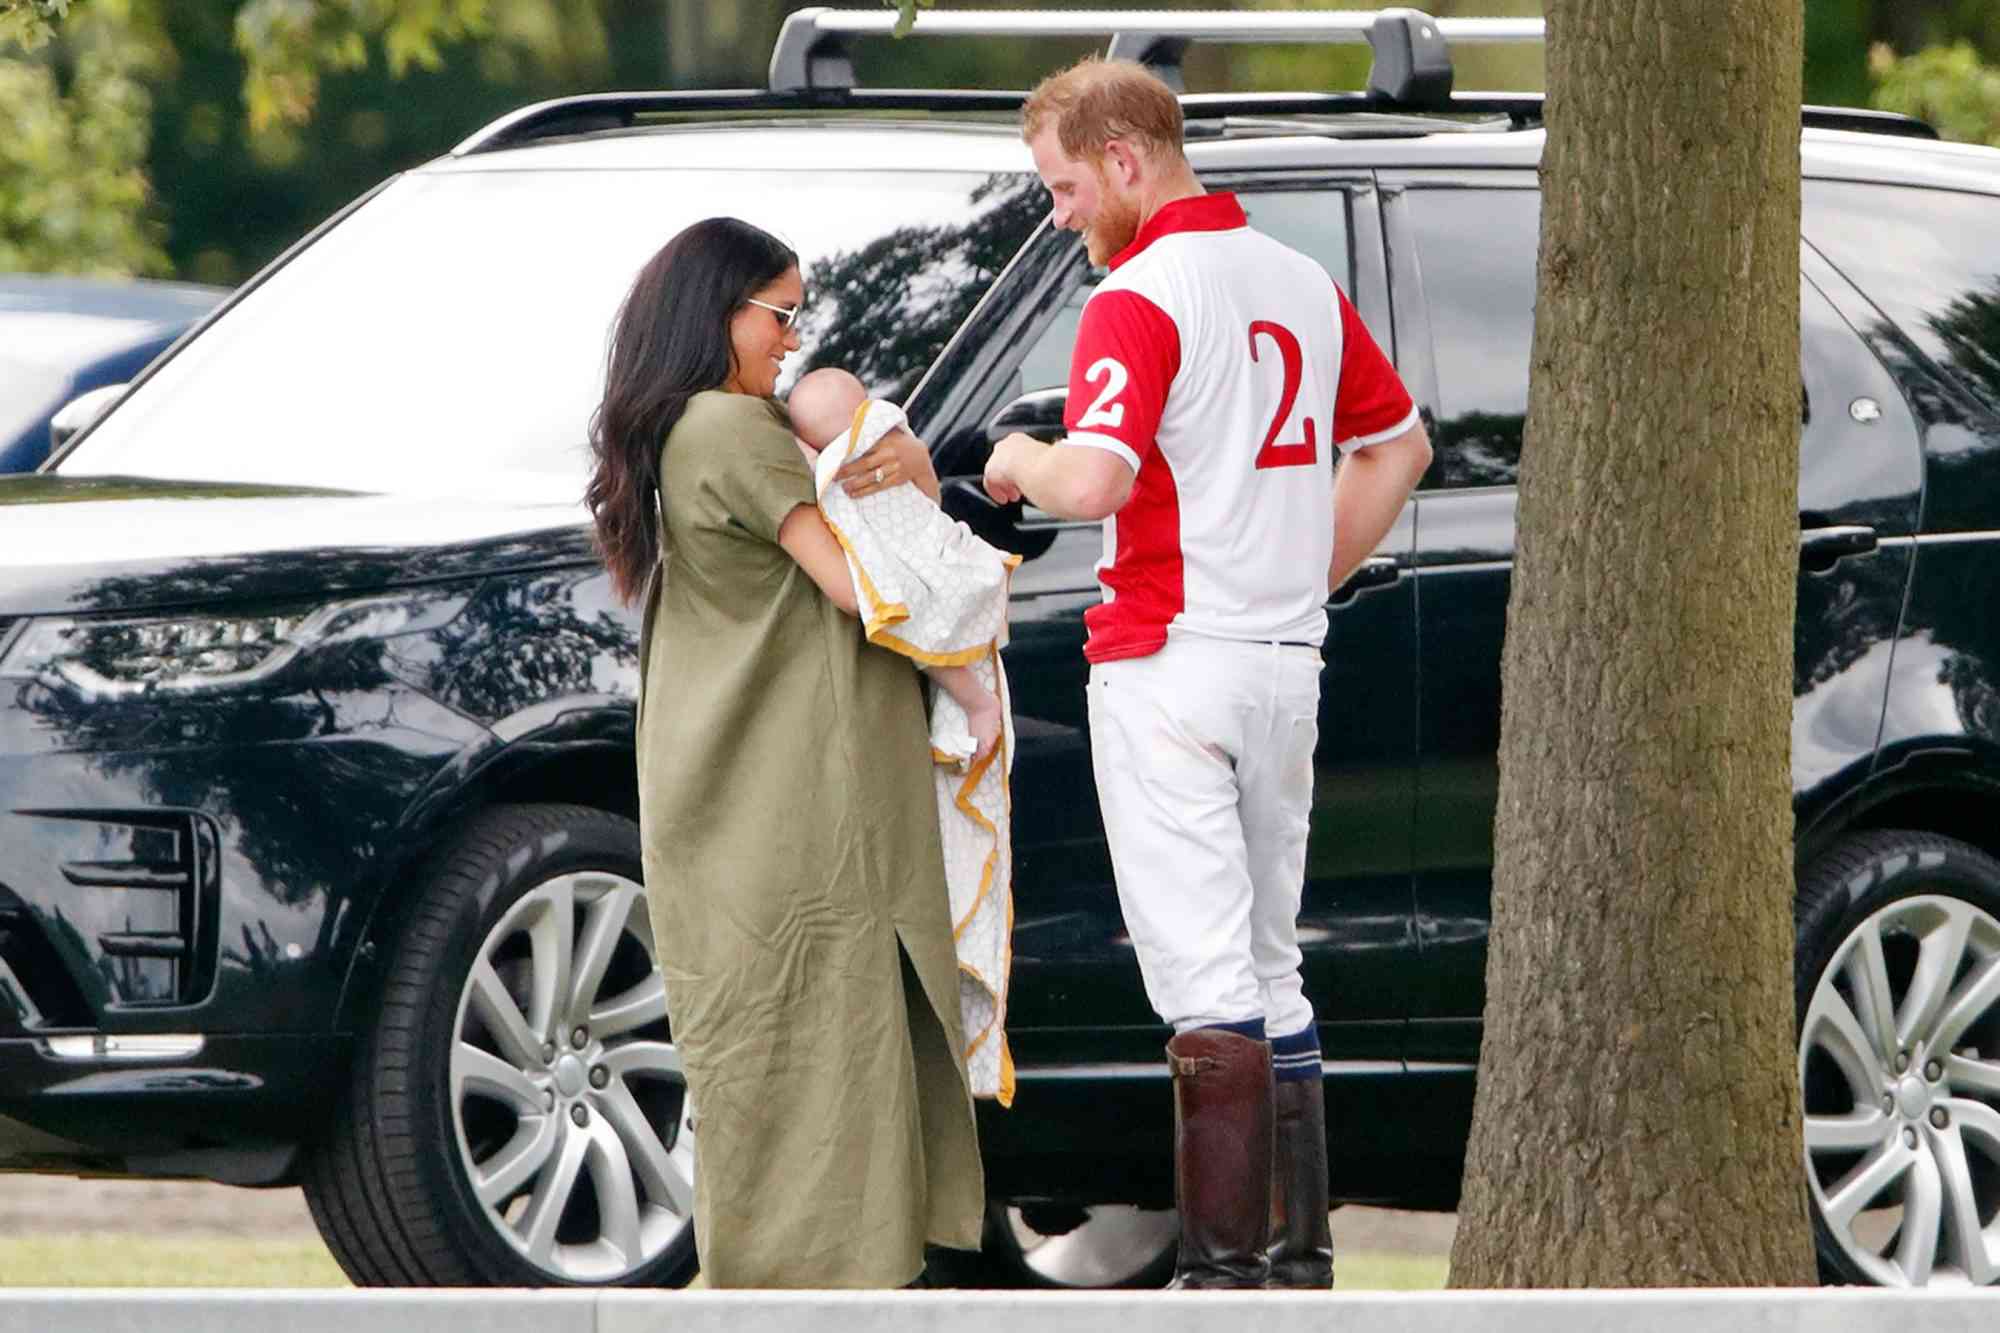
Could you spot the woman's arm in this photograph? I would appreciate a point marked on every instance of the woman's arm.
(807, 539)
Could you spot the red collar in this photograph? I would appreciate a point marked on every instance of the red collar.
(1201, 212)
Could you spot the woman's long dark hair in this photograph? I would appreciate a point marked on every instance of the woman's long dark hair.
(670, 342)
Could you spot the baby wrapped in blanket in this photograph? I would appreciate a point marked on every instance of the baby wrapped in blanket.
(932, 591)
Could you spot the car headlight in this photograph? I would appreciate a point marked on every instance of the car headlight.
(182, 654)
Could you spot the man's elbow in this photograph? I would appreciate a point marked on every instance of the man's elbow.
(1099, 497)
(1420, 451)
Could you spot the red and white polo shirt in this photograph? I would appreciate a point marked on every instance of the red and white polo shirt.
(1225, 368)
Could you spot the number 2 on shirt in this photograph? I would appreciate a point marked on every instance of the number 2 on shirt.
(1105, 410)
(1296, 453)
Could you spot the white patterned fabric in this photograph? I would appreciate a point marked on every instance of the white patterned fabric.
(931, 590)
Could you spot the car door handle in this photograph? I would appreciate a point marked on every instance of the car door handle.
(1377, 571)
(1821, 548)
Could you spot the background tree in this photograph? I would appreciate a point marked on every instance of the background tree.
(1637, 1119)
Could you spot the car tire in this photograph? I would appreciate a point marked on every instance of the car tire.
(1073, 1247)
(516, 1114)
(1898, 993)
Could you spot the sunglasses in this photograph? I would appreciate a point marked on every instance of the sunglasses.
(787, 315)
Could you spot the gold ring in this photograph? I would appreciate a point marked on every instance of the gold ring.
(878, 476)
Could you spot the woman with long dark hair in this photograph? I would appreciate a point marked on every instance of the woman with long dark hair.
(794, 873)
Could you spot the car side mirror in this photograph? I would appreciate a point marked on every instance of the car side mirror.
(81, 411)
(1039, 414)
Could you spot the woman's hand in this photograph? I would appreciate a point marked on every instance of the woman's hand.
(897, 458)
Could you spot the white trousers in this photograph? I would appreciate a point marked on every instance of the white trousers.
(1204, 760)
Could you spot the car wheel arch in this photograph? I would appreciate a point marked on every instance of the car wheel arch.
(525, 772)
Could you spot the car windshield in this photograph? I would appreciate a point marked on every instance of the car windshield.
(452, 332)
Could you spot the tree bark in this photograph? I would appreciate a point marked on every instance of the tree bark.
(1637, 1118)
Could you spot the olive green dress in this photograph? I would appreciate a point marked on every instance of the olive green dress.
(791, 844)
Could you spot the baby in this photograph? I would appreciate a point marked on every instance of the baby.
(823, 405)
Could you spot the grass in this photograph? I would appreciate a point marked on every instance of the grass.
(1388, 1272)
(122, 1260)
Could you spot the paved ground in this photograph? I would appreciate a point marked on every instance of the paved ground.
(30, 1204)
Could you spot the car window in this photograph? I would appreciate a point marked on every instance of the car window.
(1476, 251)
(452, 331)
(1929, 261)
(1313, 222)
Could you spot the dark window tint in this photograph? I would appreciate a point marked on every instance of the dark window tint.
(1476, 251)
(1858, 458)
(1929, 259)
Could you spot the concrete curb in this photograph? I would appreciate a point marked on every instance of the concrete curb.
(1710, 1311)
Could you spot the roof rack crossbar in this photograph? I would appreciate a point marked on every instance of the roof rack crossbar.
(1412, 62)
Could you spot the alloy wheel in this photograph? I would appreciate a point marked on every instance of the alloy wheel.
(1104, 1245)
(569, 1102)
(1899, 1063)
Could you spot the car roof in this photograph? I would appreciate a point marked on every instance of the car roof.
(1241, 143)
(65, 321)
(766, 145)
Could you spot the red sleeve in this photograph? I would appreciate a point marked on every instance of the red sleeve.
(1371, 404)
(1127, 354)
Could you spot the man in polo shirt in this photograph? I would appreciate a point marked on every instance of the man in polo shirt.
(1216, 376)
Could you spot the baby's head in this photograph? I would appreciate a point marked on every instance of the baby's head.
(822, 405)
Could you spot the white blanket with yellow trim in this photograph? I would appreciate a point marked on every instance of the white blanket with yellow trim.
(931, 590)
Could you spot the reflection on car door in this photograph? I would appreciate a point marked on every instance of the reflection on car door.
(1466, 315)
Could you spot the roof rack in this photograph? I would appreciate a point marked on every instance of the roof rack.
(1412, 61)
(1866, 122)
(810, 71)
(590, 113)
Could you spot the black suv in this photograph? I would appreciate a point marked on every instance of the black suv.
(316, 779)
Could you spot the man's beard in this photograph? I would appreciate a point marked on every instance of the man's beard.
(1116, 224)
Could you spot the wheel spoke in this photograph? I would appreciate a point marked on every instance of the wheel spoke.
(1874, 1003)
(552, 1194)
(1930, 985)
(636, 1058)
(502, 1017)
(1864, 1185)
(635, 1008)
(475, 1073)
(502, 1176)
(617, 1199)
(1981, 1078)
(1968, 1005)
(1831, 1024)
(1961, 1204)
(603, 926)
(553, 939)
(1923, 1193)
(1857, 1131)
(663, 1180)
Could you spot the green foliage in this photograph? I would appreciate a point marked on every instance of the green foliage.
(29, 23)
(1949, 86)
(906, 18)
(73, 191)
(288, 44)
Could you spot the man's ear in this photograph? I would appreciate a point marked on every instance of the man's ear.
(1122, 161)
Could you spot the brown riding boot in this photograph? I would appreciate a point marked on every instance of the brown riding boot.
(1222, 1158)
(1301, 1240)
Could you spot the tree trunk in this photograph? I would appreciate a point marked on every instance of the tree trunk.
(1637, 1120)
